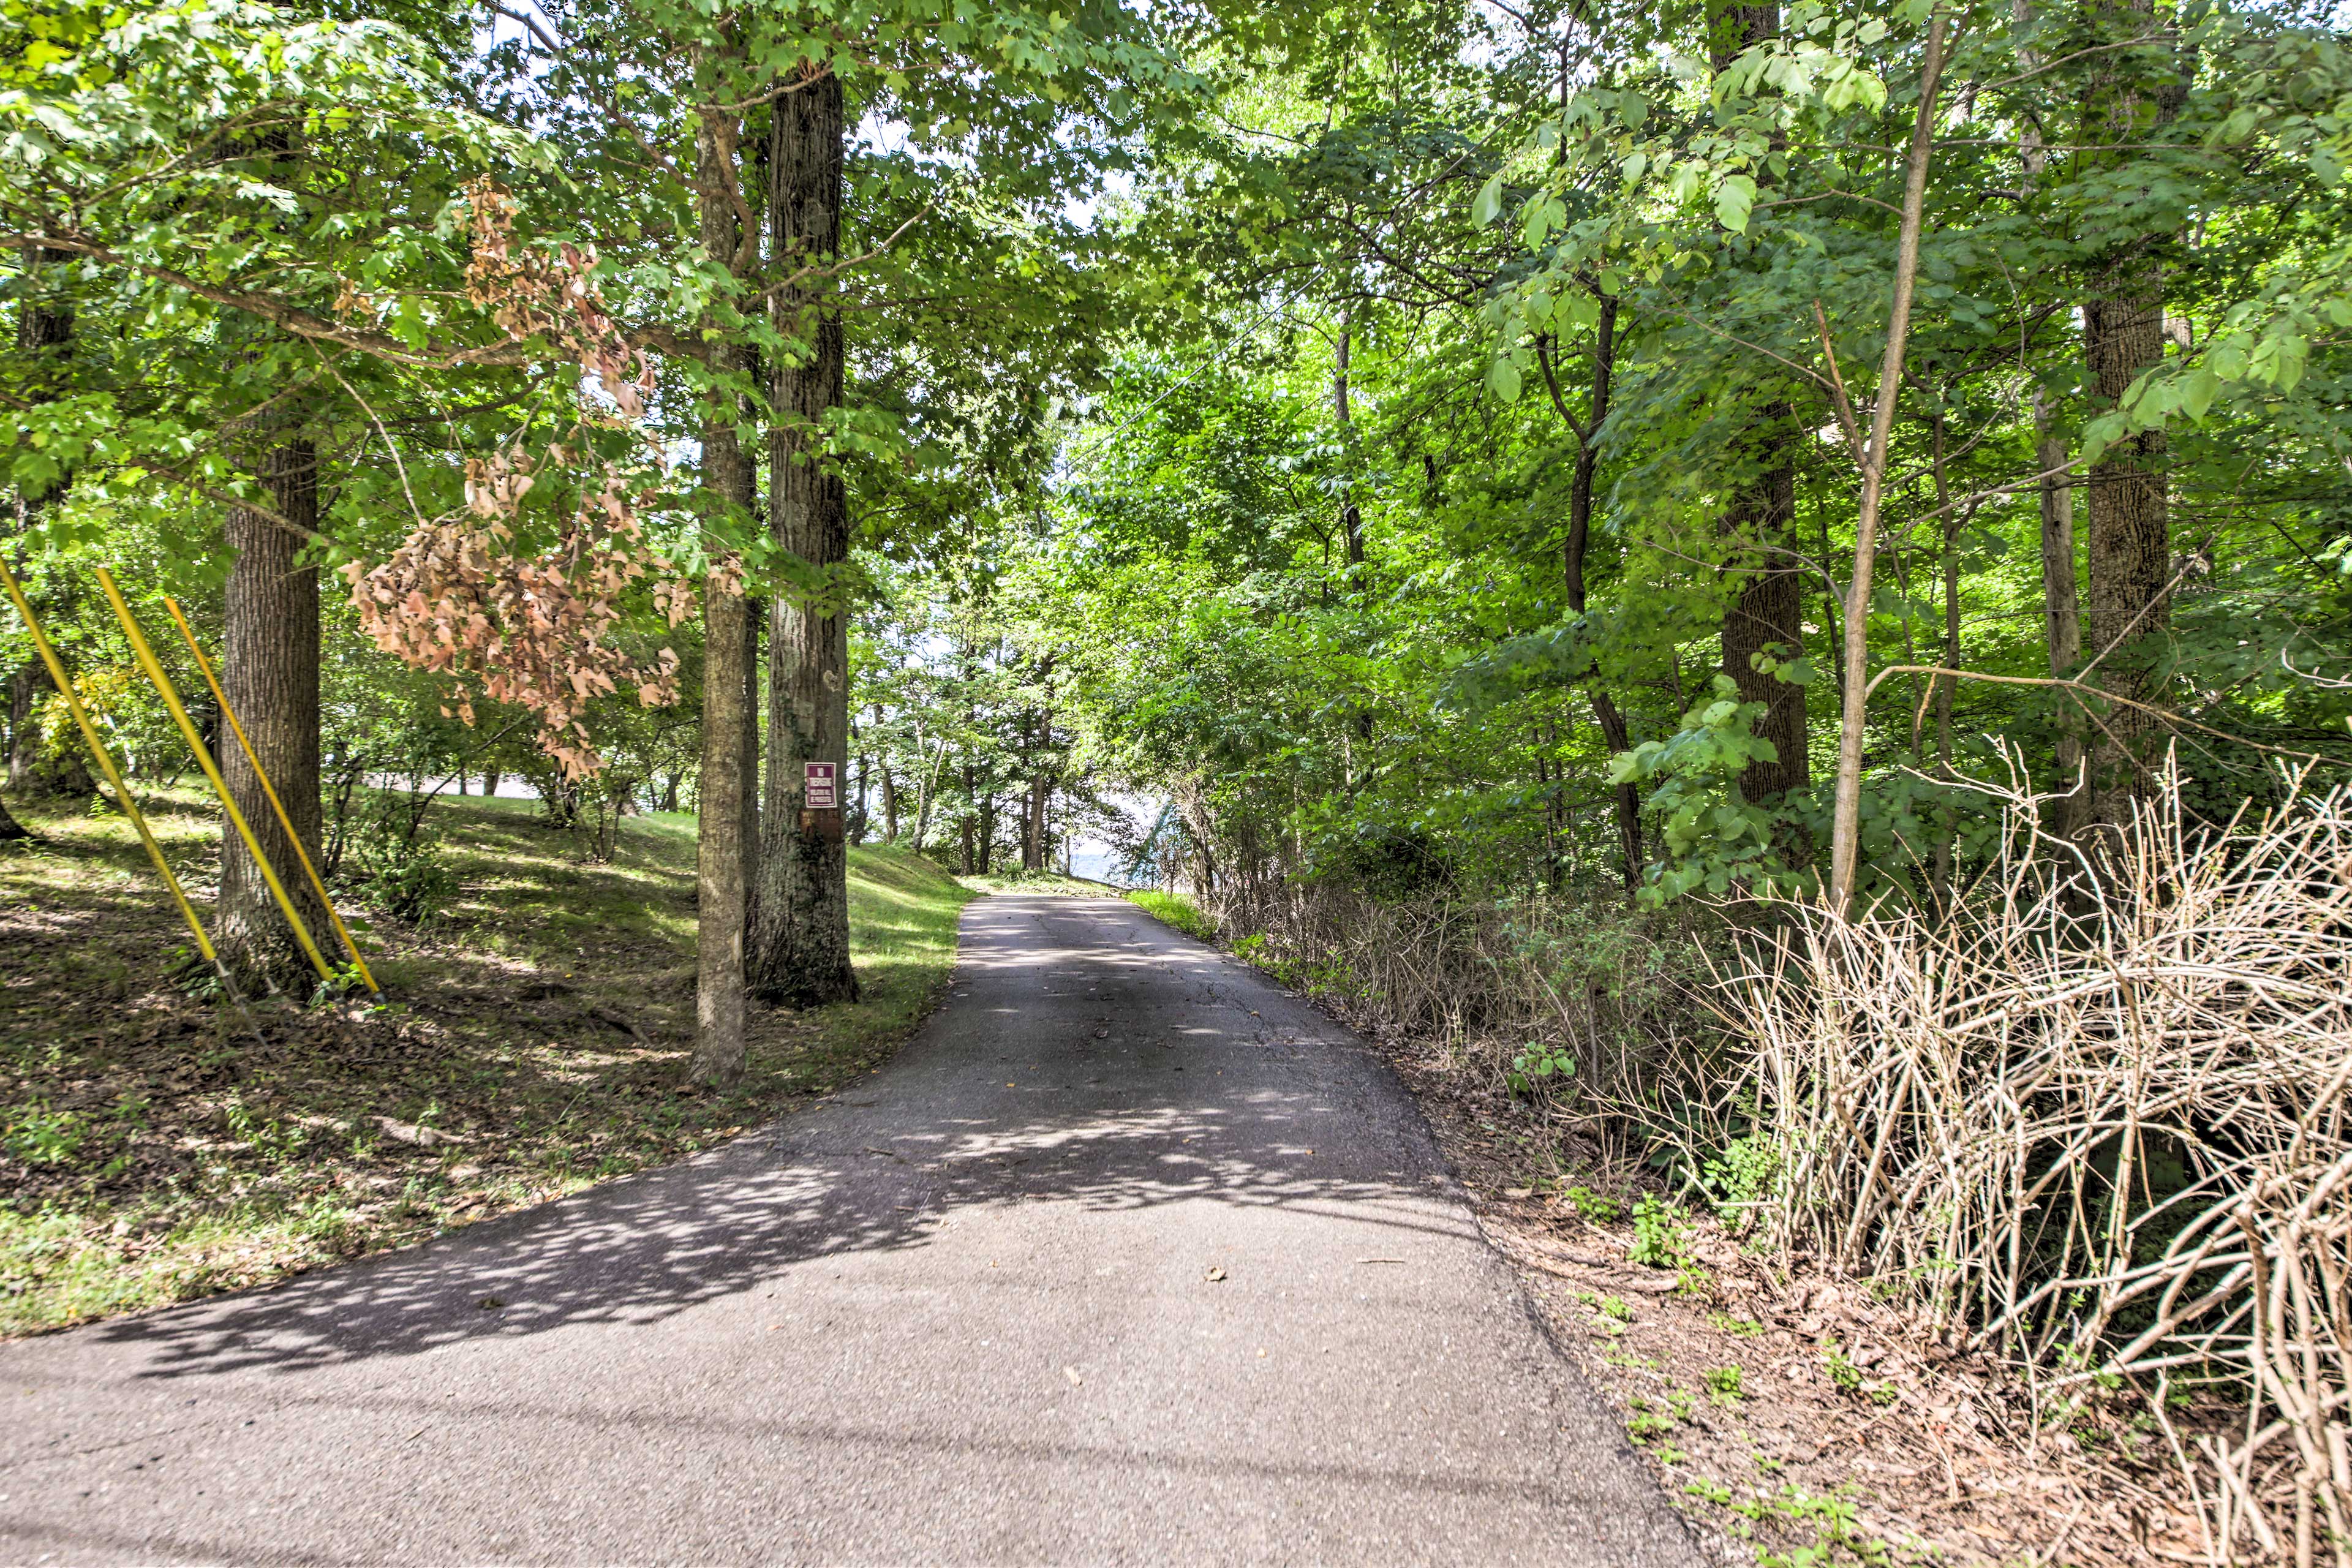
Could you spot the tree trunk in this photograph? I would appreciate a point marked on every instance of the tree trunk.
(1614, 731)
(1351, 515)
(890, 788)
(269, 672)
(2061, 616)
(723, 847)
(43, 337)
(1845, 831)
(1947, 819)
(926, 788)
(1767, 617)
(858, 815)
(755, 617)
(2130, 545)
(801, 942)
(721, 882)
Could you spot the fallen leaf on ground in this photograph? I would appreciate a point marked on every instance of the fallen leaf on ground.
(409, 1133)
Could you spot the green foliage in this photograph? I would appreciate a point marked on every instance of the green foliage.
(1740, 1178)
(1596, 1206)
(39, 1136)
(1177, 911)
(1661, 1238)
(406, 873)
(1534, 1063)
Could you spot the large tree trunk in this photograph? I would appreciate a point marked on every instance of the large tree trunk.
(722, 846)
(269, 671)
(755, 619)
(1768, 613)
(721, 884)
(801, 944)
(2130, 545)
(2062, 615)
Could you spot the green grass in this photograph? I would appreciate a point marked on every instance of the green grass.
(1177, 909)
(154, 1149)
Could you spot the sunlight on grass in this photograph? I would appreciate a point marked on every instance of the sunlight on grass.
(1176, 909)
(156, 1151)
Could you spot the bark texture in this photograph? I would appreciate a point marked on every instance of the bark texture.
(269, 670)
(2130, 544)
(2129, 548)
(800, 939)
(721, 886)
(1767, 616)
(723, 829)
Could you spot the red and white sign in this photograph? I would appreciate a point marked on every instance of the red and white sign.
(819, 784)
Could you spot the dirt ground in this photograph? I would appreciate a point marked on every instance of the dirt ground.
(1797, 1419)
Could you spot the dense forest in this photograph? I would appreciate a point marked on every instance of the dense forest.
(1597, 496)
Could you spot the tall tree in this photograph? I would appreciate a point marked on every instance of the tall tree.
(2135, 94)
(1764, 623)
(269, 673)
(726, 825)
(799, 947)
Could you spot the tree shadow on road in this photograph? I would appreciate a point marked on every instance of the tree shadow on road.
(1294, 1121)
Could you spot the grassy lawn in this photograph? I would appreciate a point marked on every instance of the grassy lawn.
(530, 1041)
(1177, 909)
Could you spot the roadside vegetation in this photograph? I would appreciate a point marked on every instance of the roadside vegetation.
(531, 1038)
(1175, 910)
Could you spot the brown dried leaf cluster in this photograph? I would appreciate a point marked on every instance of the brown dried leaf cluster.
(534, 628)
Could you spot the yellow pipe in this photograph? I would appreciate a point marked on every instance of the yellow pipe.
(147, 662)
(188, 635)
(106, 763)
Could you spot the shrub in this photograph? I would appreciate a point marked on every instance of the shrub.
(2096, 1124)
(407, 874)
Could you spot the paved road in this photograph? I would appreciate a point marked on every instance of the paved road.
(1128, 1257)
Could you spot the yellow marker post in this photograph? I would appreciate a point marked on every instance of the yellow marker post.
(187, 635)
(106, 766)
(147, 661)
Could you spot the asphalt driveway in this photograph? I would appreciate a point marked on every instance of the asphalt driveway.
(1128, 1257)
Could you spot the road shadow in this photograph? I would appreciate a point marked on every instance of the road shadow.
(1055, 1105)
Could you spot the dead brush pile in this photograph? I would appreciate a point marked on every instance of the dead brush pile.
(2094, 1126)
(1579, 994)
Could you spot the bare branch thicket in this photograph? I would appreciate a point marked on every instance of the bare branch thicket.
(2096, 1125)
(1489, 982)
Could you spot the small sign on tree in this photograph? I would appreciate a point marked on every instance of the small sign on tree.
(819, 787)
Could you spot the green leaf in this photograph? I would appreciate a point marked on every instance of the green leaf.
(1735, 198)
(1489, 204)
